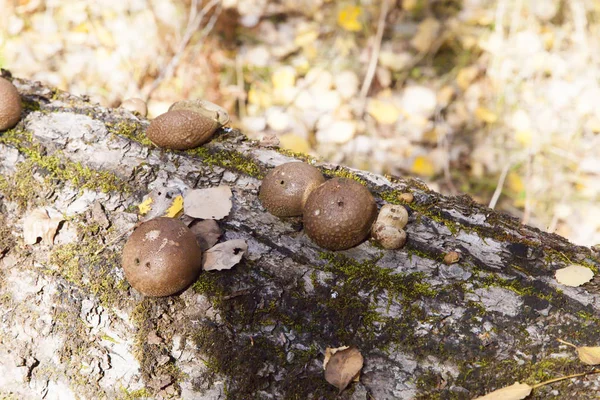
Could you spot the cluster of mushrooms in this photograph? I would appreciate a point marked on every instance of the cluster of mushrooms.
(338, 214)
(162, 256)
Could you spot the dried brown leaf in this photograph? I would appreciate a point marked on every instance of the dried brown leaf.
(589, 355)
(211, 203)
(207, 233)
(224, 255)
(41, 223)
(517, 391)
(342, 367)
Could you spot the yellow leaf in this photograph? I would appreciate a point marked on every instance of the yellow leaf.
(176, 207)
(485, 115)
(409, 5)
(306, 36)
(524, 137)
(145, 206)
(589, 355)
(466, 76)
(423, 166)
(574, 275)
(348, 18)
(284, 77)
(515, 183)
(382, 111)
(295, 143)
(517, 391)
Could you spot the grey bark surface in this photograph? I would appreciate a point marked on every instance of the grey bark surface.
(71, 326)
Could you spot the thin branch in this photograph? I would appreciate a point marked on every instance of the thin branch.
(499, 186)
(374, 55)
(194, 21)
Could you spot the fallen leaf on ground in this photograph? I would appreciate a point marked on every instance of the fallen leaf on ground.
(348, 18)
(224, 255)
(329, 351)
(342, 367)
(589, 355)
(41, 223)
(207, 233)
(211, 203)
(517, 391)
(485, 115)
(574, 275)
(423, 166)
(175, 208)
(159, 202)
(145, 206)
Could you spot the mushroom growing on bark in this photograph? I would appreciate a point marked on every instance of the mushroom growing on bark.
(161, 257)
(187, 124)
(388, 229)
(339, 214)
(10, 105)
(286, 188)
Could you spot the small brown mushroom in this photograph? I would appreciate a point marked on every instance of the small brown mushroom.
(339, 214)
(161, 257)
(10, 105)
(135, 105)
(285, 189)
(181, 130)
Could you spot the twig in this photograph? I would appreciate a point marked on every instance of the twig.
(374, 56)
(562, 378)
(194, 20)
(499, 186)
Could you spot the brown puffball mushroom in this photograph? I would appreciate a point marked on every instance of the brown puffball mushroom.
(10, 105)
(181, 130)
(339, 214)
(389, 237)
(161, 257)
(285, 189)
(135, 105)
(393, 215)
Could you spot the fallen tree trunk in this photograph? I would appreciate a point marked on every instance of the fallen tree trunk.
(73, 328)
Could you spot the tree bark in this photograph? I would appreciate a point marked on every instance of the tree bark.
(73, 328)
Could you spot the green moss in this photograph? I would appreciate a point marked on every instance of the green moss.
(130, 129)
(134, 394)
(56, 168)
(229, 159)
(82, 264)
(30, 105)
(342, 172)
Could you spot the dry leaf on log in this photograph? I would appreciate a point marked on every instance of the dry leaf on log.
(517, 391)
(224, 255)
(41, 223)
(342, 366)
(211, 203)
(574, 275)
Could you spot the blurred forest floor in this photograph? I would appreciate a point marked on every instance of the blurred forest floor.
(496, 98)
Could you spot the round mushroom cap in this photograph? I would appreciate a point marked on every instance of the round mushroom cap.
(388, 236)
(203, 107)
(10, 105)
(285, 189)
(339, 214)
(135, 105)
(161, 257)
(394, 215)
(181, 130)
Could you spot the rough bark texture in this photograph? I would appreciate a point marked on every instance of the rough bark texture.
(73, 328)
